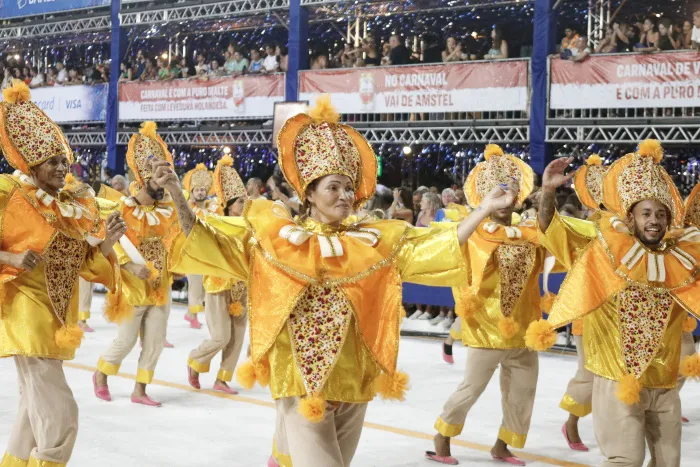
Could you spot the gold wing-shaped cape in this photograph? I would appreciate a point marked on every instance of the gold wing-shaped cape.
(617, 259)
(368, 275)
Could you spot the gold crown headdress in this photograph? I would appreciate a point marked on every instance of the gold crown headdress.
(498, 169)
(28, 137)
(227, 183)
(692, 207)
(637, 177)
(199, 177)
(314, 145)
(142, 146)
(588, 182)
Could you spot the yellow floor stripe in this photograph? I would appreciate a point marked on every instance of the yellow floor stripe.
(375, 426)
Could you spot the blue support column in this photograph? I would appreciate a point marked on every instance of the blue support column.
(298, 47)
(544, 40)
(115, 156)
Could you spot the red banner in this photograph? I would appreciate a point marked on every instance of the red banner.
(459, 87)
(626, 81)
(241, 97)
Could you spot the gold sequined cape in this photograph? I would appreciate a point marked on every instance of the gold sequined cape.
(155, 243)
(279, 273)
(633, 325)
(515, 294)
(33, 301)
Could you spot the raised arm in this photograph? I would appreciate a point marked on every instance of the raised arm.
(552, 179)
(164, 176)
(500, 197)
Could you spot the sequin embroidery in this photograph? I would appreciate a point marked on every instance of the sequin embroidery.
(644, 314)
(34, 135)
(231, 183)
(318, 325)
(497, 170)
(594, 182)
(63, 258)
(515, 263)
(644, 179)
(237, 291)
(153, 250)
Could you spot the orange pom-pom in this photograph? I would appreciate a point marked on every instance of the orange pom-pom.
(547, 301)
(392, 387)
(235, 309)
(245, 374)
(18, 92)
(471, 303)
(508, 327)
(70, 179)
(689, 324)
(540, 335)
(117, 309)
(651, 148)
(262, 373)
(226, 160)
(690, 367)
(628, 390)
(158, 296)
(594, 159)
(492, 150)
(148, 129)
(324, 110)
(312, 408)
(69, 336)
(153, 273)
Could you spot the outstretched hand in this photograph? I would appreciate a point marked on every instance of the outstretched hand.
(554, 176)
(164, 176)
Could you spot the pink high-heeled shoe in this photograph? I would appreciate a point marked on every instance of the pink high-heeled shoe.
(573, 446)
(195, 324)
(101, 392)
(145, 400)
(226, 389)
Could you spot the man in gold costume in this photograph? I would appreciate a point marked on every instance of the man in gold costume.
(640, 281)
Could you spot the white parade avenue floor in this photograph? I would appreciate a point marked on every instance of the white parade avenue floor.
(207, 429)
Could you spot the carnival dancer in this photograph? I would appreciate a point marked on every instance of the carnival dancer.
(692, 219)
(318, 336)
(225, 300)
(639, 283)
(588, 185)
(50, 236)
(496, 306)
(199, 185)
(143, 254)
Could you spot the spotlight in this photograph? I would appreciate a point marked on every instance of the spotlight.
(407, 150)
(164, 55)
(227, 150)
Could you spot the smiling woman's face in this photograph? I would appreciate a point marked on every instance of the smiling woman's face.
(331, 199)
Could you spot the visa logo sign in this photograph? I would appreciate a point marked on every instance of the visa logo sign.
(74, 104)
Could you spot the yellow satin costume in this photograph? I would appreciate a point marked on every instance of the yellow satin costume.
(350, 301)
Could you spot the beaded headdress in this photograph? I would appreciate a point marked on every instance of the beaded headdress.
(199, 177)
(227, 183)
(588, 182)
(142, 146)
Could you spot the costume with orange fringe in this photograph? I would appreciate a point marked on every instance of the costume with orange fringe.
(150, 235)
(636, 302)
(324, 302)
(225, 299)
(498, 303)
(39, 307)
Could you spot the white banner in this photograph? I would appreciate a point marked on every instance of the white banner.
(66, 104)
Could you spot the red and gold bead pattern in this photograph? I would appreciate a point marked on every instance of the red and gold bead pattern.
(34, 135)
(515, 263)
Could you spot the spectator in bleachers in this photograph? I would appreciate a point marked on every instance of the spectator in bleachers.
(236, 64)
(283, 54)
(401, 208)
(140, 65)
(665, 38)
(163, 71)
(607, 44)
(125, 72)
(695, 37)
(625, 37)
(499, 46)
(371, 54)
(74, 77)
(51, 77)
(256, 62)
(347, 57)
(271, 63)
(320, 62)
(399, 55)
(62, 76)
(386, 54)
(570, 38)
(150, 73)
(37, 80)
(214, 70)
(649, 38)
(26, 75)
(580, 51)
(447, 197)
(432, 52)
(453, 51)
(202, 65)
(186, 70)
(686, 37)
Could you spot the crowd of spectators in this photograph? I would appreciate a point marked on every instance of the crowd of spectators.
(58, 75)
(651, 35)
(235, 61)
